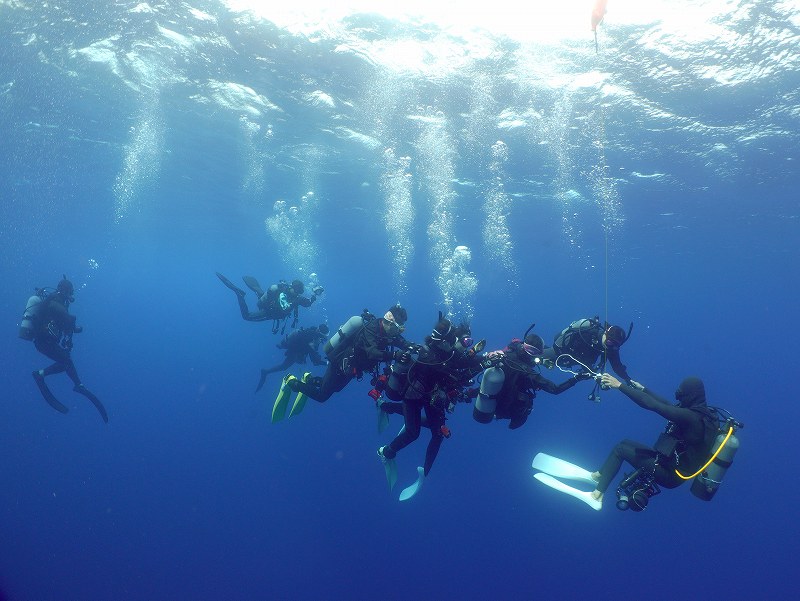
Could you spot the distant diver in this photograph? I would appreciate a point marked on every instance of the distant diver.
(49, 325)
(300, 345)
(276, 304)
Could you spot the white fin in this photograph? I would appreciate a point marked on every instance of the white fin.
(583, 495)
(412, 490)
(561, 469)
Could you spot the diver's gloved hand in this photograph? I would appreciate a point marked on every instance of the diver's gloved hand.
(77, 329)
(318, 290)
(584, 376)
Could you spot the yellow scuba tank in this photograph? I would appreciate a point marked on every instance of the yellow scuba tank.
(707, 482)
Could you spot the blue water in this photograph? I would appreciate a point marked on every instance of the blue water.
(145, 147)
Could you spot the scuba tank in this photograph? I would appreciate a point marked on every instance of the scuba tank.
(343, 335)
(706, 484)
(486, 402)
(27, 329)
(398, 380)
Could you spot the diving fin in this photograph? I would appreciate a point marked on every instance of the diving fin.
(279, 408)
(262, 380)
(230, 284)
(253, 284)
(583, 495)
(390, 467)
(412, 490)
(561, 469)
(81, 389)
(383, 417)
(48, 396)
(300, 399)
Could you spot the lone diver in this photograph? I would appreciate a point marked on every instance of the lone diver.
(51, 330)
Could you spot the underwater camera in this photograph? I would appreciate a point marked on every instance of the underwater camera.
(635, 490)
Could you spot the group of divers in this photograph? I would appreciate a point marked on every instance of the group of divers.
(426, 382)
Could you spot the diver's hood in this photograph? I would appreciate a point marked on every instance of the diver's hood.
(691, 393)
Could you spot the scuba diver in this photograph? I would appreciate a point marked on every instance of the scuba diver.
(358, 346)
(433, 381)
(299, 345)
(589, 344)
(279, 301)
(49, 325)
(693, 446)
(511, 379)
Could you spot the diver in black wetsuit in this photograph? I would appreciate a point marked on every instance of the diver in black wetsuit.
(51, 332)
(370, 341)
(592, 344)
(276, 304)
(433, 382)
(690, 434)
(509, 385)
(299, 346)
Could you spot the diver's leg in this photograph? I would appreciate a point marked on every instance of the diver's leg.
(239, 292)
(320, 389)
(634, 453)
(435, 419)
(392, 407)
(287, 362)
(412, 412)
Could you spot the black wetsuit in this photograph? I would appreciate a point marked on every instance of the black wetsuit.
(369, 347)
(688, 436)
(521, 381)
(53, 337)
(270, 309)
(300, 346)
(435, 380)
(586, 345)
